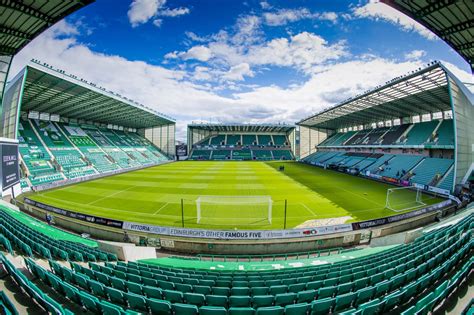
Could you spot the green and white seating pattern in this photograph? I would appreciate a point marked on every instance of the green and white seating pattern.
(408, 279)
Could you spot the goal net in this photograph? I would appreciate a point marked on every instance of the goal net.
(404, 198)
(234, 210)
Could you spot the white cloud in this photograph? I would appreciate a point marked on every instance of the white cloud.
(377, 10)
(265, 5)
(179, 94)
(238, 72)
(157, 22)
(200, 53)
(415, 54)
(141, 11)
(174, 12)
(301, 51)
(285, 16)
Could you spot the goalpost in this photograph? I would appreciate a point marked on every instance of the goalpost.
(404, 198)
(234, 210)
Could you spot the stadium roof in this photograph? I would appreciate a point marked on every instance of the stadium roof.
(452, 20)
(22, 20)
(53, 91)
(421, 92)
(243, 127)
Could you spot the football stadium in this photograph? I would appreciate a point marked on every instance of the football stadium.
(362, 207)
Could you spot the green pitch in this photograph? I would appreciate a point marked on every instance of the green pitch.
(154, 195)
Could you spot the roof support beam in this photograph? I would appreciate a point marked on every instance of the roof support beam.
(457, 28)
(433, 7)
(15, 33)
(20, 7)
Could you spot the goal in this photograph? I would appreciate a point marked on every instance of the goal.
(234, 210)
(404, 198)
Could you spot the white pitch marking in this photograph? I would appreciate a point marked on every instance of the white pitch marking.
(308, 208)
(161, 208)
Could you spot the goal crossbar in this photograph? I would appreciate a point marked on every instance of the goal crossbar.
(236, 203)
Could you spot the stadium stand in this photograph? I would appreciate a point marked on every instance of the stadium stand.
(53, 151)
(31, 242)
(406, 279)
(242, 147)
(393, 134)
(418, 134)
(430, 171)
(36, 159)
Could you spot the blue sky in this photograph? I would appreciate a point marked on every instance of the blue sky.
(239, 61)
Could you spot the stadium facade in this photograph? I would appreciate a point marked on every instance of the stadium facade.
(241, 141)
(70, 129)
(416, 123)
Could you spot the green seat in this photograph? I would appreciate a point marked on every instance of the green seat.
(240, 291)
(71, 292)
(216, 300)
(262, 300)
(182, 287)
(97, 288)
(270, 310)
(241, 311)
(212, 310)
(159, 307)
(365, 295)
(110, 309)
(136, 301)
(239, 301)
(297, 309)
(278, 289)
(202, 289)
(382, 288)
(392, 300)
(134, 288)
(344, 288)
(326, 292)
(151, 292)
(195, 298)
(361, 283)
(344, 301)
(185, 309)
(173, 296)
(314, 285)
(371, 308)
(306, 296)
(297, 287)
(221, 291)
(115, 296)
(285, 298)
(102, 278)
(409, 311)
(118, 284)
(55, 282)
(91, 303)
(425, 305)
(259, 290)
(322, 306)
(81, 281)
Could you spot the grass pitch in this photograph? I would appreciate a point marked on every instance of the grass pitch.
(154, 195)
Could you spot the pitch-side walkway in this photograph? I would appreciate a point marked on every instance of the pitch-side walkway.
(265, 265)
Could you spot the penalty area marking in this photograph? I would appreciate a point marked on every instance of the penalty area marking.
(306, 207)
(161, 208)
